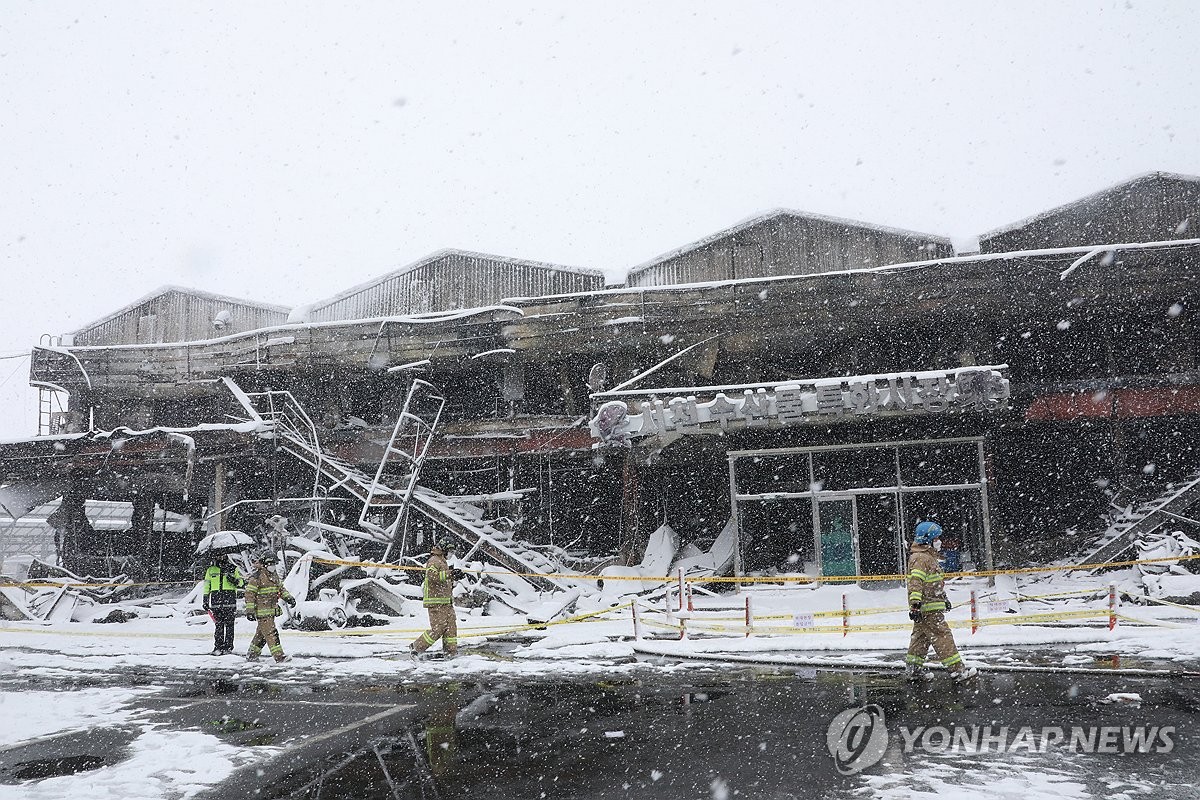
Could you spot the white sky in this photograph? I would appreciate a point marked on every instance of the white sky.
(286, 151)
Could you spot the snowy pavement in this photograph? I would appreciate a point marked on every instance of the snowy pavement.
(64, 685)
(702, 731)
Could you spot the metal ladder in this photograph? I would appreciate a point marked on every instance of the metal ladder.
(1148, 518)
(282, 417)
(51, 413)
(403, 457)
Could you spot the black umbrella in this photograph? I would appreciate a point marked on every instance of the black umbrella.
(223, 543)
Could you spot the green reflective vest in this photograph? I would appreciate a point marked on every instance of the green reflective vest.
(221, 580)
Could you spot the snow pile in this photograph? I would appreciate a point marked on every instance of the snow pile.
(162, 764)
(75, 710)
(1030, 778)
(1129, 698)
(1159, 579)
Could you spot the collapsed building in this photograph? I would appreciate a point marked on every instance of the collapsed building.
(796, 390)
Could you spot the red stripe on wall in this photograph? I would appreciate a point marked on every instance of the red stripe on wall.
(1121, 403)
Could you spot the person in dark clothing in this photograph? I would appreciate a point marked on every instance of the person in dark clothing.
(222, 583)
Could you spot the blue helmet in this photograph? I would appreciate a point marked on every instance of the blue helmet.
(926, 532)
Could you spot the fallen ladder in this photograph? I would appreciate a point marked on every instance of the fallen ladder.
(413, 433)
(1154, 515)
(283, 418)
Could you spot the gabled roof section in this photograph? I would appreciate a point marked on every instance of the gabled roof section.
(1146, 177)
(168, 289)
(787, 213)
(440, 255)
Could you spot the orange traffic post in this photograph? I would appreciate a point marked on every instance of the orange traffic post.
(974, 613)
(1112, 606)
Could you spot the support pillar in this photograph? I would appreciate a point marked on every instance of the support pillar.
(217, 501)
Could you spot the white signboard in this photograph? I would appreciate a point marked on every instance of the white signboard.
(823, 400)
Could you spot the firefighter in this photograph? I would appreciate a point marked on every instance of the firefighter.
(437, 591)
(263, 593)
(221, 586)
(441, 736)
(927, 604)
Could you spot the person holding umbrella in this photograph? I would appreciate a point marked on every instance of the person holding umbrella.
(222, 582)
(221, 586)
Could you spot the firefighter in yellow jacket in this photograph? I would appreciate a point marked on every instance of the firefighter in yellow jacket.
(437, 593)
(263, 593)
(928, 605)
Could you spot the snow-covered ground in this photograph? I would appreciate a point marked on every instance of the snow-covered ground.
(177, 763)
(1063, 615)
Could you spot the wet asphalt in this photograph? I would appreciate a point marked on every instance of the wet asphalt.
(704, 731)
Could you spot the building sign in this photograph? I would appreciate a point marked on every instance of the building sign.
(706, 410)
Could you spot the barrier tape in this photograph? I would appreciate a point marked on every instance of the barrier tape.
(1152, 622)
(42, 584)
(1192, 609)
(770, 578)
(853, 612)
(861, 612)
(801, 579)
(696, 625)
(693, 625)
(465, 632)
(987, 597)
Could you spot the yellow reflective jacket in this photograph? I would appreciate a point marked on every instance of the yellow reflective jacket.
(926, 584)
(438, 587)
(221, 586)
(263, 592)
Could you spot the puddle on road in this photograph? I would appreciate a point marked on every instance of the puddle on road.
(54, 767)
(707, 731)
(752, 733)
(67, 754)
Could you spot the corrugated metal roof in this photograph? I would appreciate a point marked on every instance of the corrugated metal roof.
(777, 213)
(167, 289)
(1094, 196)
(448, 253)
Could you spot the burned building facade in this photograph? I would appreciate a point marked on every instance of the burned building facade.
(823, 383)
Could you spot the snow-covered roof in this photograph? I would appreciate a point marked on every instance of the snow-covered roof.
(776, 213)
(167, 289)
(425, 318)
(438, 255)
(1094, 196)
(883, 269)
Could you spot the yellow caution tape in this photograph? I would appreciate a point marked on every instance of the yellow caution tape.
(802, 579)
(44, 584)
(463, 632)
(1192, 609)
(1022, 619)
(666, 579)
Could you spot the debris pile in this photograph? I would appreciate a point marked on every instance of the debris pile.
(52, 594)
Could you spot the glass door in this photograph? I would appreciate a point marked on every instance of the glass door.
(880, 549)
(837, 535)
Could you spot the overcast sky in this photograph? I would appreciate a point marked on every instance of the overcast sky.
(286, 151)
